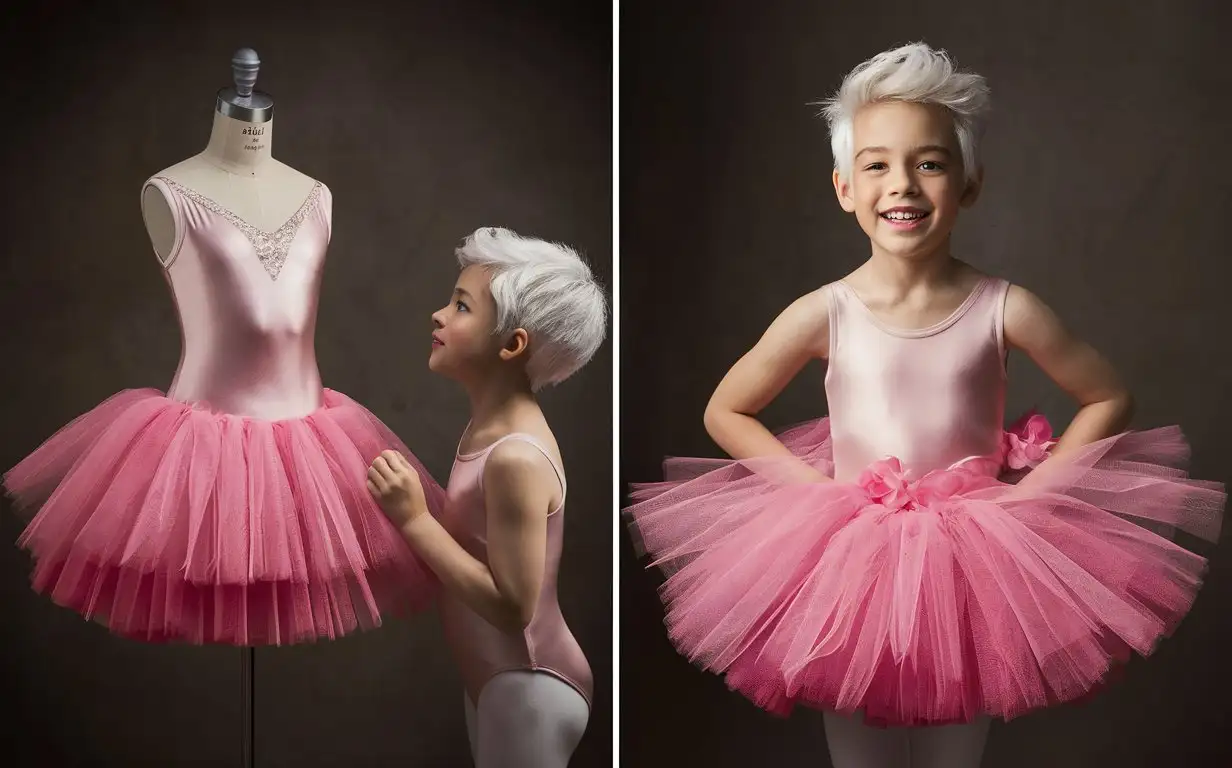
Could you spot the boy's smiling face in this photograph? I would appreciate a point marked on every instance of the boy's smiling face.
(907, 181)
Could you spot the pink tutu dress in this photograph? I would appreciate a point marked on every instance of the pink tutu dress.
(923, 585)
(232, 509)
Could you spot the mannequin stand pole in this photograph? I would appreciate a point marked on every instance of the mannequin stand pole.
(247, 678)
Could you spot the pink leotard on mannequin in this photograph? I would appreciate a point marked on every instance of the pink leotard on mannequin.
(248, 323)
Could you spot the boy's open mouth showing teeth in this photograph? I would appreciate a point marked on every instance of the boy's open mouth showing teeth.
(904, 218)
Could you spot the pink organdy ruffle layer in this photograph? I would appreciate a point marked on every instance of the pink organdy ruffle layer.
(980, 596)
(169, 522)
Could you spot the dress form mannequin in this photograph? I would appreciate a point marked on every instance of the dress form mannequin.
(236, 169)
(231, 508)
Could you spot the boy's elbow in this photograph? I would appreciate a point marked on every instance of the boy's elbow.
(525, 616)
(519, 622)
(1126, 406)
(713, 418)
(517, 617)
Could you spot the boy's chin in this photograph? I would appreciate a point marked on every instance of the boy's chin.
(437, 366)
(920, 250)
(451, 370)
(907, 245)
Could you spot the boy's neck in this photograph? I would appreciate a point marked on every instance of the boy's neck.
(904, 273)
(498, 400)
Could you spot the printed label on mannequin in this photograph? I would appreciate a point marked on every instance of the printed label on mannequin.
(258, 147)
(254, 131)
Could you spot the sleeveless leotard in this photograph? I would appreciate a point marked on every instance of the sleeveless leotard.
(930, 397)
(482, 650)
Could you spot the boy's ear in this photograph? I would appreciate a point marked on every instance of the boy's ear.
(515, 345)
(842, 190)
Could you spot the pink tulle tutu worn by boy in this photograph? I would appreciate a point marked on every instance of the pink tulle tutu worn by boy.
(908, 561)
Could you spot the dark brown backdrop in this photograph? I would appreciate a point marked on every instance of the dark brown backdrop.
(427, 120)
(1107, 193)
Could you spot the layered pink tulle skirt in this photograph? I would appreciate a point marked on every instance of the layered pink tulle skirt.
(926, 600)
(166, 521)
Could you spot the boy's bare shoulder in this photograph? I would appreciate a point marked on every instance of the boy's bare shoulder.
(815, 304)
(806, 322)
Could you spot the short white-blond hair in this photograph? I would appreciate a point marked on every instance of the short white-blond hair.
(913, 73)
(546, 289)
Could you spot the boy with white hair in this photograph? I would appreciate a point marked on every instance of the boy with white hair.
(524, 314)
(890, 564)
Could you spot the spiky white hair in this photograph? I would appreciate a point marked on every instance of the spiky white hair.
(546, 289)
(913, 73)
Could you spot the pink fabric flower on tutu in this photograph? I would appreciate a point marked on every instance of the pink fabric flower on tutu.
(944, 484)
(887, 483)
(895, 488)
(1027, 442)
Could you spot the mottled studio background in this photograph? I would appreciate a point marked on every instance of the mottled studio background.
(426, 120)
(1107, 194)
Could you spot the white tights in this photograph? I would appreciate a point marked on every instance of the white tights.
(525, 719)
(856, 745)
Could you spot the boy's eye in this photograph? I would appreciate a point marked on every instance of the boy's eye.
(931, 165)
(461, 305)
(878, 166)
